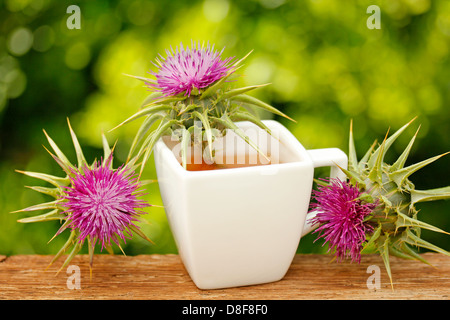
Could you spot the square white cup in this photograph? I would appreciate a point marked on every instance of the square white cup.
(242, 226)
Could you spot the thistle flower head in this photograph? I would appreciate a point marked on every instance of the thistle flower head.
(342, 212)
(208, 105)
(377, 203)
(96, 202)
(184, 70)
(102, 203)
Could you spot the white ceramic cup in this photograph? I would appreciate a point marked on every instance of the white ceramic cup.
(242, 226)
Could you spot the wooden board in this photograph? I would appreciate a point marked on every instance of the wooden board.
(163, 277)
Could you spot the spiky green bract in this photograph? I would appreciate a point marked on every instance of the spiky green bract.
(95, 202)
(395, 221)
(213, 109)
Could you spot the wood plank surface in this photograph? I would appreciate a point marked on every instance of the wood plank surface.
(163, 277)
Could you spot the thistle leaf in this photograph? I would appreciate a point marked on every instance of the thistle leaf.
(144, 112)
(106, 149)
(363, 162)
(408, 250)
(79, 152)
(354, 178)
(140, 233)
(399, 164)
(430, 195)
(405, 252)
(164, 126)
(414, 240)
(54, 180)
(405, 221)
(151, 98)
(205, 121)
(387, 144)
(400, 175)
(146, 80)
(76, 248)
(49, 216)
(165, 100)
(374, 237)
(143, 129)
(63, 165)
(237, 63)
(376, 172)
(187, 108)
(383, 248)
(61, 229)
(234, 92)
(109, 249)
(393, 250)
(226, 121)
(243, 98)
(70, 241)
(185, 142)
(53, 192)
(352, 158)
(58, 151)
(43, 206)
(145, 144)
(250, 109)
(247, 116)
(320, 182)
(91, 255)
(214, 88)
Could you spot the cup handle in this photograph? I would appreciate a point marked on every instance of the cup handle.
(330, 157)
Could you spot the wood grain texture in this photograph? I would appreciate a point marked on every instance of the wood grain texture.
(163, 277)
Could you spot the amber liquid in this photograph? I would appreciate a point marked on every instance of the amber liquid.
(230, 163)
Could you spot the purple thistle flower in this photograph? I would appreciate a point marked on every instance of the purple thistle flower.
(341, 214)
(102, 203)
(185, 69)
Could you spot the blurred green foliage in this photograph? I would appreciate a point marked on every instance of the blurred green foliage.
(325, 65)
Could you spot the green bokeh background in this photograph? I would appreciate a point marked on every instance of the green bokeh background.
(324, 64)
